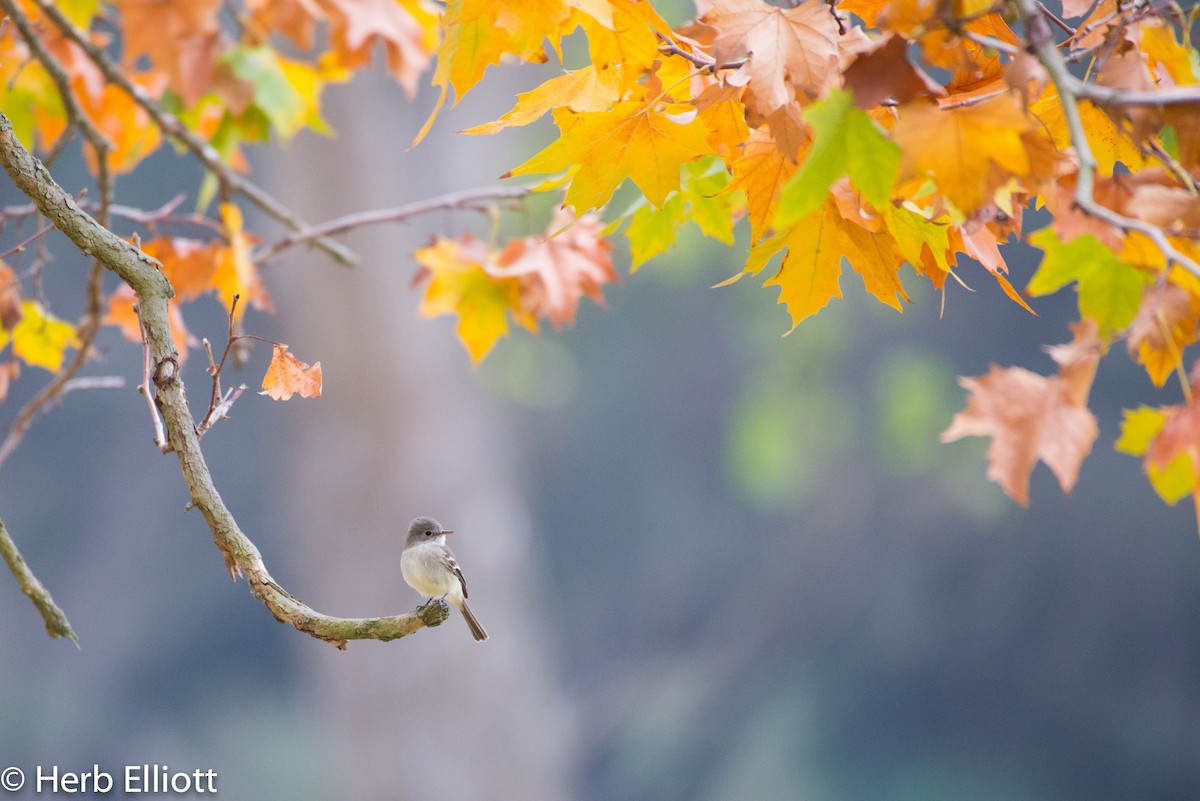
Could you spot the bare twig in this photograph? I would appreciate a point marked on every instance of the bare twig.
(56, 621)
(1070, 90)
(152, 289)
(1107, 95)
(173, 126)
(990, 42)
(471, 199)
(20, 246)
(701, 60)
(94, 382)
(1050, 15)
(147, 217)
(146, 387)
(219, 403)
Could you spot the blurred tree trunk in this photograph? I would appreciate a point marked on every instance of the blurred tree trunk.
(402, 431)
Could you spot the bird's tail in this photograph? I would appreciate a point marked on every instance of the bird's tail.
(477, 630)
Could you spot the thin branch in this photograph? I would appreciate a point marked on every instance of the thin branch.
(990, 42)
(147, 281)
(172, 126)
(56, 621)
(94, 382)
(220, 403)
(20, 246)
(1050, 15)
(702, 61)
(146, 390)
(471, 199)
(1107, 95)
(147, 217)
(1070, 90)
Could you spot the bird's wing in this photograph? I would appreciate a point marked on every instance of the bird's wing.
(452, 565)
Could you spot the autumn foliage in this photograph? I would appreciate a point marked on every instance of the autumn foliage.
(899, 140)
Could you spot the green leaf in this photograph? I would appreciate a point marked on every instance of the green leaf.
(651, 231)
(1139, 427)
(846, 141)
(700, 199)
(1110, 291)
(274, 95)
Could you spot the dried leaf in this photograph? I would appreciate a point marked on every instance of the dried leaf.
(1031, 417)
(289, 376)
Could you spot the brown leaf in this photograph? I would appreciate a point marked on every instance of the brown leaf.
(10, 298)
(288, 376)
(1031, 417)
(9, 371)
(789, 50)
(1170, 208)
(884, 71)
(557, 271)
(1164, 326)
(295, 19)
(180, 37)
(1180, 433)
(356, 25)
(122, 314)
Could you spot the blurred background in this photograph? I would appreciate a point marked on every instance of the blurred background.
(716, 562)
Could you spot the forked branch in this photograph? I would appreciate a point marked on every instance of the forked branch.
(152, 289)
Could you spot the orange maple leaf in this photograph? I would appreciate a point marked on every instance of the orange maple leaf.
(180, 37)
(459, 284)
(295, 19)
(10, 298)
(1164, 326)
(959, 146)
(633, 139)
(122, 314)
(762, 171)
(789, 49)
(556, 272)
(1031, 416)
(288, 376)
(235, 273)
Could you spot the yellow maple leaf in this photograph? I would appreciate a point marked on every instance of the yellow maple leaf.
(459, 284)
(477, 33)
(235, 273)
(958, 146)
(1160, 46)
(1108, 144)
(761, 171)
(40, 339)
(631, 140)
(808, 276)
(622, 36)
(587, 89)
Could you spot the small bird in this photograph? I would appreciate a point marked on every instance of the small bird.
(429, 567)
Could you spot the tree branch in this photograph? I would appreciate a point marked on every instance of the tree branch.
(57, 624)
(471, 199)
(153, 290)
(172, 126)
(1070, 90)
